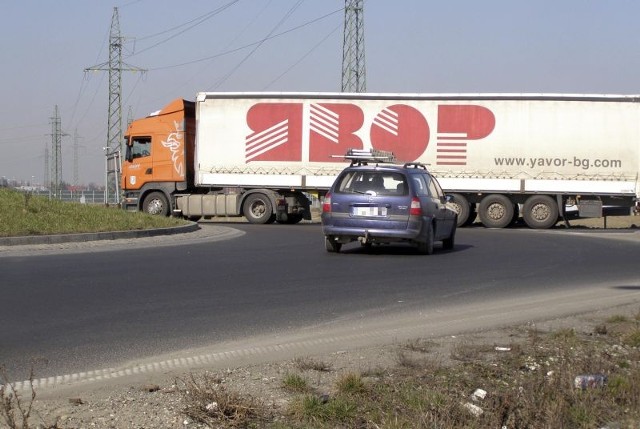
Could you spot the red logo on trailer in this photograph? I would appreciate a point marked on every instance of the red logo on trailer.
(334, 128)
(277, 132)
(456, 126)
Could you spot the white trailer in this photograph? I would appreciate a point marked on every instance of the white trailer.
(500, 155)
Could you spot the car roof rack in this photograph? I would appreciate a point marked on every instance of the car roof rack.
(415, 165)
(365, 156)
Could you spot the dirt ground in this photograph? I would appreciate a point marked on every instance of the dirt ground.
(157, 402)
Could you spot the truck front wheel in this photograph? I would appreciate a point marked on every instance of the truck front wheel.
(156, 204)
(496, 211)
(257, 208)
(540, 212)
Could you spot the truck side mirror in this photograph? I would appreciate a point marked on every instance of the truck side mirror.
(128, 155)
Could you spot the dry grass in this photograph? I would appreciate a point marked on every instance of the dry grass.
(529, 384)
(208, 401)
(15, 411)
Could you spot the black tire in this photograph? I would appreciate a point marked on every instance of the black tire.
(472, 215)
(540, 212)
(450, 241)
(292, 219)
(156, 204)
(461, 206)
(257, 209)
(426, 247)
(516, 215)
(496, 211)
(331, 245)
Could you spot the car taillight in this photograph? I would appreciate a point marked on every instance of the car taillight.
(326, 205)
(416, 209)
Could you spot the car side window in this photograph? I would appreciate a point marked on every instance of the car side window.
(438, 187)
(420, 185)
(434, 188)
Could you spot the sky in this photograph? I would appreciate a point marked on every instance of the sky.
(415, 46)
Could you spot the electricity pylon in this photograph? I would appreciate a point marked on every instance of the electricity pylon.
(115, 67)
(56, 154)
(353, 66)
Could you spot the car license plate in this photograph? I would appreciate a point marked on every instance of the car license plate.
(369, 211)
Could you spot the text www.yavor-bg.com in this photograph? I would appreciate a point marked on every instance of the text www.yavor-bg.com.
(584, 163)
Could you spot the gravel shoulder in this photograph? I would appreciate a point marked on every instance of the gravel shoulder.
(154, 399)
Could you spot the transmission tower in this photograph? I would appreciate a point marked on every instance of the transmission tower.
(115, 67)
(46, 181)
(76, 176)
(56, 154)
(353, 67)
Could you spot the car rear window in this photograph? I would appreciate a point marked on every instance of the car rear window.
(372, 182)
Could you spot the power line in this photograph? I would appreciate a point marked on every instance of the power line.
(303, 57)
(260, 43)
(200, 20)
(232, 51)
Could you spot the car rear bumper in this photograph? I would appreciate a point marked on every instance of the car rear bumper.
(346, 234)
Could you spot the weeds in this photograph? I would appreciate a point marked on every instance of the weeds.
(209, 402)
(306, 364)
(295, 383)
(14, 410)
(529, 384)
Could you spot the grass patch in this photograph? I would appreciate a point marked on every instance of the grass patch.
(618, 318)
(295, 383)
(25, 214)
(530, 384)
(309, 364)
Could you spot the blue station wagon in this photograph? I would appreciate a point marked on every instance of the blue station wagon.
(377, 203)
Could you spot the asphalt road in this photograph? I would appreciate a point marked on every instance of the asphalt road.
(69, 312)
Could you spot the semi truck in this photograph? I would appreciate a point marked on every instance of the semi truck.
(539, 158)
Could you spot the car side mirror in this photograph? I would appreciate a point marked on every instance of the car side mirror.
(448, 198)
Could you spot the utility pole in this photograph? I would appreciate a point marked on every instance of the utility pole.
(56, 153)
(115, 67)
(46, 177)
(353, 66)
(76, 177)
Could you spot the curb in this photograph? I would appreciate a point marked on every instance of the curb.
(94, 236)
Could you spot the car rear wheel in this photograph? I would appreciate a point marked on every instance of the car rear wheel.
(449, 242)
(426, 247)
(332, 245)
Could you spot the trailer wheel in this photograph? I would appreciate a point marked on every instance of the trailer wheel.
(496, 211)
(540, 212)
(461, 206)
(156, 204)
(257, 208)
